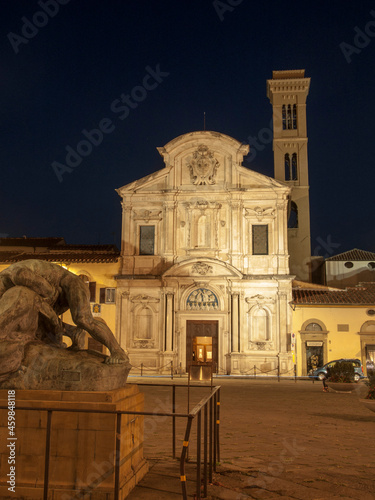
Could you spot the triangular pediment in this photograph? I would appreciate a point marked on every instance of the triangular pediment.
(202, 161)
(203, 268)
(156, 181)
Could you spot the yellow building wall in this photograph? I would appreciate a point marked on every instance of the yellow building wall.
(339, 344)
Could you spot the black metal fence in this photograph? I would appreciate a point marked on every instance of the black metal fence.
(209, 406)
(252, 373)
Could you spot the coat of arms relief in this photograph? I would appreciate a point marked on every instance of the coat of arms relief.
(203, 166)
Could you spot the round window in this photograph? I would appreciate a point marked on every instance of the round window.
(371, 265)
(371, 312)
(349, 265)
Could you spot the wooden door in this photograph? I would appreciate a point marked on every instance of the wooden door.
(202, 328)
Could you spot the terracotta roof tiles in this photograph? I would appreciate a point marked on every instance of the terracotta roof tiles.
(353, 255)
(363, 294)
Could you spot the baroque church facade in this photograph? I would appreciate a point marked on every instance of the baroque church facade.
(207, 257)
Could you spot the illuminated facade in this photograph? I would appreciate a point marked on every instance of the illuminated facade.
(204, 262)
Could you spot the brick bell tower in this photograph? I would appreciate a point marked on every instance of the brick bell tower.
(287, 92)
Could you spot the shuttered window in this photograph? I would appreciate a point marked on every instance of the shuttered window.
(92, 289)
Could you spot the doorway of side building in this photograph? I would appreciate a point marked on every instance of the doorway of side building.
(314, 356)
(201, 342)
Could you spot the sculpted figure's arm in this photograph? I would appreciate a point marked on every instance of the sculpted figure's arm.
(47, 311)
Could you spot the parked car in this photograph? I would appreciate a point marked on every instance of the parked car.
(321, 373)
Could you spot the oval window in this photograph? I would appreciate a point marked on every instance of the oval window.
(349, 265)
(371, 265)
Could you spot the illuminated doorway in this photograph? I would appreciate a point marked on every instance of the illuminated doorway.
(201, 342)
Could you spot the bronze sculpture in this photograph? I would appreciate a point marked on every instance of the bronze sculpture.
(33, 294)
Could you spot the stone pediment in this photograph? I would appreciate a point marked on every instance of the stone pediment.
(157, 181)
(204, 159)
(210, 268)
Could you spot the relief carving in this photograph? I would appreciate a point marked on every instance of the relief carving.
(260, 300)
(259, 212)
(261, 346)
(144, 298)
(201, 268)
(143, 344)
(203, 166)
(202, 300)
(147, 215)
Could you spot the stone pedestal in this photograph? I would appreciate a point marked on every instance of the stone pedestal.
(82, 451)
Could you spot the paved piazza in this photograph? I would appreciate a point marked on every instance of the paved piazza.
(281, 440)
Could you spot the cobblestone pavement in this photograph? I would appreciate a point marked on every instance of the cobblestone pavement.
(279, 440)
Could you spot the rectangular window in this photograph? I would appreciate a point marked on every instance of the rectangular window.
(107, 295)
(147, 240)
(260, 239)
(110, 295)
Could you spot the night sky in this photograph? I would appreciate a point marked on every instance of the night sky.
(68, 75)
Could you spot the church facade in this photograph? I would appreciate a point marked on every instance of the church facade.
(205, 266)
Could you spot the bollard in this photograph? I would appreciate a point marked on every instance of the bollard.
(295, 373)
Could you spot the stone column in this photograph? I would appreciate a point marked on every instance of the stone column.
(169, 322)
(235, 322)
(169, 228)
(236, 233)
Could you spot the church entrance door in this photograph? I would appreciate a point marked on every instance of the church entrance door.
(201, 342)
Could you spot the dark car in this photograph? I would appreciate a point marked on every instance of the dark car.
(321, 373)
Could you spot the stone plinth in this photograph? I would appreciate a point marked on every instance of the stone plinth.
(82, 452)
(44, 367)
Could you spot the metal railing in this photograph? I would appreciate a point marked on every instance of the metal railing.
(211, 442)
(252, 373)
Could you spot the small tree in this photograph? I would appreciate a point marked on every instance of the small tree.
(342, 371)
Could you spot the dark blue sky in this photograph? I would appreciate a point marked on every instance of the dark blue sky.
(73, 69)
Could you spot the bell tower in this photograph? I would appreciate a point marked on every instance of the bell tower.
(287, 92)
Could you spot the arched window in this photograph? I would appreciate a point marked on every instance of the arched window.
(313, 327)
(294, 116)
(293, 216)
(289, 124)
(294, 172)
(291, 170)
(287, 166)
